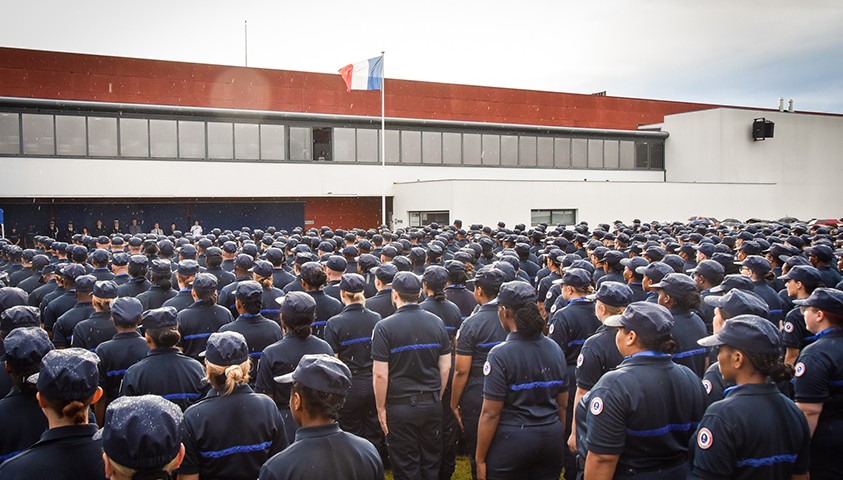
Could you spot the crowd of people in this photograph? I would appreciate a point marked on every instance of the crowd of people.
(640, 350)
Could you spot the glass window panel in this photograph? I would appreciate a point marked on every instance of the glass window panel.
(579, 148)
(452, 148)
(432, 148)
(410, 147)
(220, 141)
(509, 150)
(641, 153)
(545, 152)
(102, 137)
(392, 147)
(610, 154)
(657, 155)
(163, 138)
(562, 152)
(273, 140)
(344, 144)
(471, 148)
(527, 151)
(491, 154)
(301, 143)
(539, 216)
(246, 141)
(9, 133)
(567, 217)
(38, 135)
(134, 137)
(192, 139)
(595, 153)
(70, 136)
(368, 148)
(627, 155)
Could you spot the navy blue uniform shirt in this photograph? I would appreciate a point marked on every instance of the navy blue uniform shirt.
(326, 307)
(182, 300)
(224, 278)
(598, 355)
(168, 373)
(269, 307)
(63, 329)
(714, 384)
(766, 292)
(134, 287)
(447, 311)
(794, 332)
(58, 307)
(281, 358)
(259, 333)
(462, 298)
(478, 334)
(381, 303)
(155, 297)
(116, 356)
(197, 322)
(22, 422)
(688, 327)
(98, 328)
(350, 336)
(63, 453)
(570, 326)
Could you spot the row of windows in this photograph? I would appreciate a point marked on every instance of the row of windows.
(38, 134)
(548, 216)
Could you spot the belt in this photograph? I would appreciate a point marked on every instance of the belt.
(476, 372)
(413, 399)
(629, 471)
(361, 372)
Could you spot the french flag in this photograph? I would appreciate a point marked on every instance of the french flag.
(365, 75)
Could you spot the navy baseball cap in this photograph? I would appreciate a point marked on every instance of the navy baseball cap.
(138, 261)
(825, 299)
(367, 261)
(68, 374)
(733, 281)
(708, 269)
(166, 247)
(740, 302)
(655, 271)
(161, 266)
(350, 251)
(336, 263)
(226, 349)
(575, 277)
(244, 261)
(648, 320)
(25, 347)
(12, 296)
(188, 251)
(611, 257)
(99, 256)
(454, 266)
(120, 259)
(809, 276)
(73, 270)
(321, 372)
(614, 294)
(654, 254)
(262, 268)
(85, 283)
(297, 304)
(159, 318)
(105, 289)
(188, 268)
(407, 283)
(126, 311)
(205, 282)
(229, 247)
(213, 252)
(634, 263)
(706, 249)
(676, 283)
(435, 275)
(516, 293)
(19, 316)
(756, 263)
(824, 253)
(488, 277)
(39, 262)
(385, 272)
(248, 291)
(143, 432)
(749, 333)
(352, 283)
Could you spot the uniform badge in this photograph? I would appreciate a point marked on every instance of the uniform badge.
(487, 368)
(788, 327)
(553, 309)
(707, 386)
(579, 361)
(704, 438)
(800, 369)
(549, 294)
(550, 329)
(596, 406)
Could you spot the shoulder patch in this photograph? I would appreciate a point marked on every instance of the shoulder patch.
(553, 308)
(707, 386)
(704, 438)
(550, 329)
(596, 405)
(788, 327)
(487, 368)
(549, 294)
(579, 360)
(800, 369)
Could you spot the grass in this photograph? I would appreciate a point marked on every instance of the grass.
(463, 471)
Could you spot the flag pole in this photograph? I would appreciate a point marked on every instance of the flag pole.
(383, 144)
(246, 41)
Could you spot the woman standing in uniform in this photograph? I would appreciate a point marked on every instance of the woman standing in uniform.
(759, 270)
(234, 430)
(313, 278)
(520, 434)
(262, 273)
(456, 291)
(818, 386)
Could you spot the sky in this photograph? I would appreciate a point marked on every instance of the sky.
(743, 53)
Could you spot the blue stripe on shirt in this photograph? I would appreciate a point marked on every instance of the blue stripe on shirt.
(766, 461)
(3, 458)
(417, 346)
(489, 345)
(236, 449)
(673, 427)
(356, 340)
(529, 386)
(196, 335)
(181, 396)
(575, 342)
(256, 354)
(115, 373)
(689, 353)
(319, 324)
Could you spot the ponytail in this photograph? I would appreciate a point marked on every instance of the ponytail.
(266, 282)
(528, 319)
(771, 365)
(226, 379)
(438, 291)
(76, 410)
(663, 344)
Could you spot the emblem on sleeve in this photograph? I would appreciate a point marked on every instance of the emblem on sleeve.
(553, 309)
(707, 386)
(550, 329)
(788, 327)
(800, 369)
(549, 294)
(704, 438)
(579, 361)
(596, 406)
(487, 368)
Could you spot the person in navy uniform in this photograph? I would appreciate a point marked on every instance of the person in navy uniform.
(259, 331)
(21, 421)
(653, 273)
(822, 258)
(161, 289)
(67, 387)
(36, 280)
(298, 309)
(126, 348)
(99, 258)
(412, 358)
(642, 415)
(204, 317)
(213, 260)
(634, 279)
(520, 432)
(612, 267)
(165, 370)
(381, 303)
(185, 273)
(280, 275)
(63, 328)
(97, 328)
(800, 282)
(678, 292)
(262, 273)
(63, 298)
(477, 335)
(335, 267)
(120, 267)
(313, 278)
(242, 265)
(758, 269)
(232, 431)
(456, 290)
(818, 381)
(321, 450)
(350, 336)
(773, 442)
(133, 446)
(137, 283)
(707, 274)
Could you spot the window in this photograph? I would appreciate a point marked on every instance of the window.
(579, 150)
(610, 154)
(273, 142)
(163, 138)
(70, 136)
(562, 152)
(38, 136)
(300, 143)
(134, 137)
(595, 153)
(471, 148)
(410, 147)
(432, 148)
(627, 154)
(491, 154)
(344, 145)
(641, 155)
(545, 152)
(191, 139)
(323, 144)
(368, 147)
(527, 151)
(102, 137)
(509, 150)
(421, 219)
(9, 133)
(393, 150)
(657, 155)
(553, 216)
(220, 141)
(246, 141)
(452, 148)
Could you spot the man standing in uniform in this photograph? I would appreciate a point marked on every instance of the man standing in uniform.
(412, 360)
